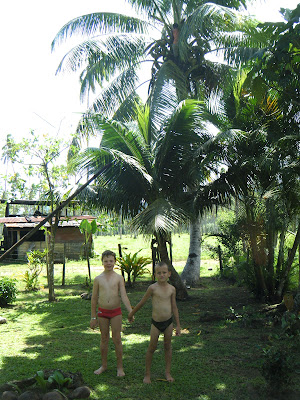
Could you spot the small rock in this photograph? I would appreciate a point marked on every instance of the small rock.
(86, 296)
(53, 396)
(3, 320)
(8, 395)
(28, 395)
(82, 392)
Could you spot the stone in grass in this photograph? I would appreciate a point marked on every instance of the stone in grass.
(82, 392)
(53, 396)
(3, 320)
(9, 395)
(29, 395)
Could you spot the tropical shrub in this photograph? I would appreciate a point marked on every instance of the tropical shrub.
(8, 291)
(276, 367)
(36, 260)
(133, 265)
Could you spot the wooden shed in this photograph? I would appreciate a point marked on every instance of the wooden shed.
(69, 241)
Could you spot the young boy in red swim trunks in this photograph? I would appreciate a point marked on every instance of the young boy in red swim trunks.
(163, 307)
(106, 309)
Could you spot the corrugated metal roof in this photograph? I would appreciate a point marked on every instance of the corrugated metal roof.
(31, 222)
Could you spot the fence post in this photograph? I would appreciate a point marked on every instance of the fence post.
(120, 255)
(220, 259)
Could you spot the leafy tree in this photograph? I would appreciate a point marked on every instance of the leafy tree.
(39, 159)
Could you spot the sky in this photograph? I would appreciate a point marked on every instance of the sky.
(33, 97)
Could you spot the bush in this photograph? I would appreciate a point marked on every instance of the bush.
(133, 265)
(8, 291)
(276, 367)
(36, 260)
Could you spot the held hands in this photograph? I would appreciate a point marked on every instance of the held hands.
(130, 316)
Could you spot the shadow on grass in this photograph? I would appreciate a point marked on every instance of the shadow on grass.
(213, 359)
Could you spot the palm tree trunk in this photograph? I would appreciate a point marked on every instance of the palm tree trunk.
(175, 280)
(289, 264)
(280, 257)
(258, 261)
(191, 272)
(271, 243)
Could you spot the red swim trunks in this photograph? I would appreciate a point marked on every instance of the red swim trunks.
(103, 313)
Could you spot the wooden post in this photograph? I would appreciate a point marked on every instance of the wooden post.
(171, 252)
(220, 259)
(154, 258)
(64, 266)
(120, 255)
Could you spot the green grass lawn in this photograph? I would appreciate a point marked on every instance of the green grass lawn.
(215, 357)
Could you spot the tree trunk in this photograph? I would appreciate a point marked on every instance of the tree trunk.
(289, 264)
(258, 261)
(53, 229)
(271, 243)
(51, 294)
(175, 280)
(191, 272)
(280, 257)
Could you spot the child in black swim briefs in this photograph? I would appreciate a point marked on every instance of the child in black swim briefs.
(163, 309)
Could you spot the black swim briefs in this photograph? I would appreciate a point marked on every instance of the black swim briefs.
(162, 325)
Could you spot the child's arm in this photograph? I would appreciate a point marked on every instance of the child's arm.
(124, 296)
(175, 312)
(141, 303)
(94, 302)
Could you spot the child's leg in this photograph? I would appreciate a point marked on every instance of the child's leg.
(104, 329)
(116, 327)
(168, 351)
(154, 334)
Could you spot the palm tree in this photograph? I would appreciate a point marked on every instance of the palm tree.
(263, 175)
(148, 179)
(175, 38)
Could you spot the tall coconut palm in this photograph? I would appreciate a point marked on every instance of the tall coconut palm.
(175, 38)
(148, 179)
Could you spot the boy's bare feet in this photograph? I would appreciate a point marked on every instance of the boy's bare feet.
(120, 372)
(100, 370)
(169, 377)
(147, 379)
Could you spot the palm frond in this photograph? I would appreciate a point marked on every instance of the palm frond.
(100, 24)
(112, 97)
(159, 216)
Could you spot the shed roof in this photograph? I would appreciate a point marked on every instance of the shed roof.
(31, 222)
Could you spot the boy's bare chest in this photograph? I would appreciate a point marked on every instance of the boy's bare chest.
(108, 283)
(162, 294)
